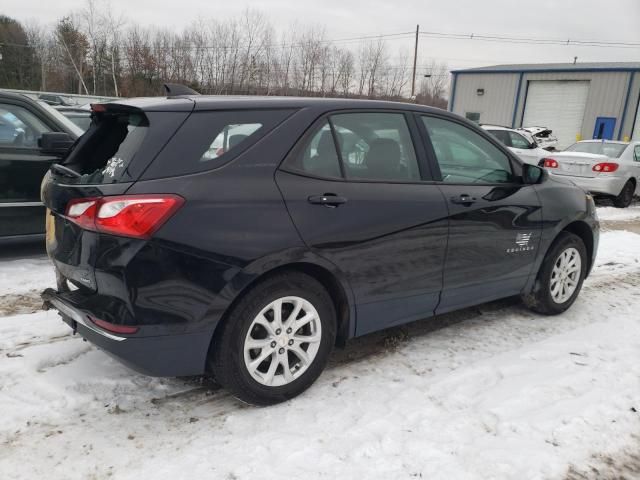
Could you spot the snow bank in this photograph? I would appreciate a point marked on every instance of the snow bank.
(619, 214)
(27, 274)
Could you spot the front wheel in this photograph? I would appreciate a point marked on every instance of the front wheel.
(560, 277)
(626, 195)
(276, 340)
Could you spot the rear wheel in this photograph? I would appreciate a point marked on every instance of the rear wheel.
(626, 195)
(560, 277)
(276, 341)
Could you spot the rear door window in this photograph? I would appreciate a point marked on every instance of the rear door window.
(376, 146)
(319, 156)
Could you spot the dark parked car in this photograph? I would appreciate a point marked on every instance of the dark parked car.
(245, 237)
(23, 161)
(79, 115)
(53, 99)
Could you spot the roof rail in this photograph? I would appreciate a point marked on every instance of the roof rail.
(175, 89)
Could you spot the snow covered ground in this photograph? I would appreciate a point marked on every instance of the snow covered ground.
(489, 392)
(619, 214)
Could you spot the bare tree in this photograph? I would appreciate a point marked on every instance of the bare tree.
(93, 26)
(433, 84)
(115, 23)
(74, 46)
(42, 43)
(99, 52)
(346, 71)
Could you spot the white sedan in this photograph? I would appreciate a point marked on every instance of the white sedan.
(602, 167)
(520, 143)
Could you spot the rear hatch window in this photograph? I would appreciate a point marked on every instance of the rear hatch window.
(120, 144)
(120, 137)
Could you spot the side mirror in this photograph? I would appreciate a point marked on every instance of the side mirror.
(55, 143)
(532, 175)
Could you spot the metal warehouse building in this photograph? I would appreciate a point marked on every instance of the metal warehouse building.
(576, 101)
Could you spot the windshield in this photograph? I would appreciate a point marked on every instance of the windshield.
(62, 119)
(612, 150)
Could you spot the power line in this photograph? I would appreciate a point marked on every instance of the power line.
(191, 45)
(531, 40)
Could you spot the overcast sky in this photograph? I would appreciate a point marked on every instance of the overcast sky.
(612, 20)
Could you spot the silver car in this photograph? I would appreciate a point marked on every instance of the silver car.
(519, 142)
(602, 167)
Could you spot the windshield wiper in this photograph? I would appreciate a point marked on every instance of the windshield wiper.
(64, 171)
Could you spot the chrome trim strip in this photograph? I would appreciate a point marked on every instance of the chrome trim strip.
(21, 204)
(78, 317)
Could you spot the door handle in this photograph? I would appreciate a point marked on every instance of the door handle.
(464, 199)
(330, 200)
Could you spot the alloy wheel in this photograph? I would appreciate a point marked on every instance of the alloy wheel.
(283, 341)
(565, 275)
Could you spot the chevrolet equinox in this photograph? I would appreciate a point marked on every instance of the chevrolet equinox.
(244, 237)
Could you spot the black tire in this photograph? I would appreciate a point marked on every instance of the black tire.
(540, 300)
(624, 199)
(226, 356)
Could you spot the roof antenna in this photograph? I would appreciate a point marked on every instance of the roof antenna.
(175, 89)
(575, 59)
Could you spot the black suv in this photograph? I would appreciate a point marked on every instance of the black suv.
(245, 237)
(24, 159)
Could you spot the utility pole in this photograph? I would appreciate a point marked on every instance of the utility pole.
(415, 60)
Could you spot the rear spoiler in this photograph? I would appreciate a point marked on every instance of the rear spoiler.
(176, 89)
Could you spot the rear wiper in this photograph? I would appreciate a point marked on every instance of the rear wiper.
(64, 171)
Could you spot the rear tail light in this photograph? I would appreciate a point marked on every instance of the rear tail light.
(112, 327)
(83, 212)
(549, 163)
(136, 216)
(605, 167)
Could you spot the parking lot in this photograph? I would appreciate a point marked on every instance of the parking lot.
(492, 391)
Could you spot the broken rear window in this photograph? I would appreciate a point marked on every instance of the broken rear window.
(105, 152)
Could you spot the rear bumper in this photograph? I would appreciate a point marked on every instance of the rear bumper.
(598, 185)
(172, 355)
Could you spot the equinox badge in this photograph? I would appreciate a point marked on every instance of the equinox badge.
(522, 242)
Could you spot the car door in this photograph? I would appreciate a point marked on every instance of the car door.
(21, 170)
(355, 191)
(494, 219)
